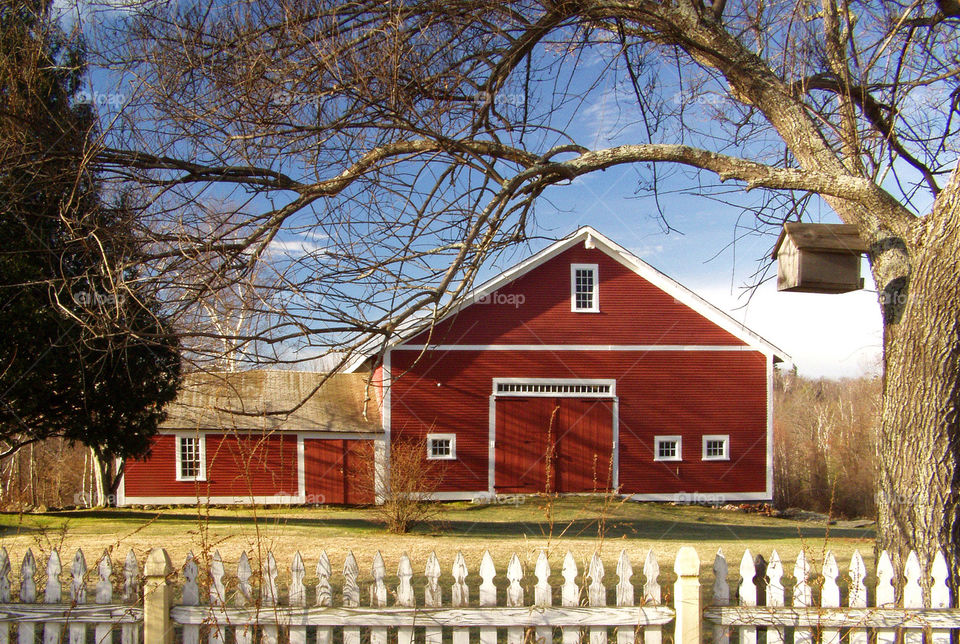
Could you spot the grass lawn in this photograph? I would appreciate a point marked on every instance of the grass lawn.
(576, 524)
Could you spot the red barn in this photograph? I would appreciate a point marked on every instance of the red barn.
(580, 370)
(223, 442)
(583, 369)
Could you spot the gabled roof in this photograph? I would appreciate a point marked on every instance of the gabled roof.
(243, 401)
(593, 238)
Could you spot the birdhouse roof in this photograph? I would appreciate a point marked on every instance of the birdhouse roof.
(825, 237)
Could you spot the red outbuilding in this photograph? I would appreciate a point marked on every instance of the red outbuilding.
(580, 370)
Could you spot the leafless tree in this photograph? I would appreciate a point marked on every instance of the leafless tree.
(404, 144)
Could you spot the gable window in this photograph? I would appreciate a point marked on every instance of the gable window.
(191, 458)
(667, 448)
(716, 447)
(441, 447)
(584, 291)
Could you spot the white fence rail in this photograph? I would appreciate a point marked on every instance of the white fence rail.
(576, 606)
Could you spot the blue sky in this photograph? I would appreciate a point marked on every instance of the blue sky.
(710, 248)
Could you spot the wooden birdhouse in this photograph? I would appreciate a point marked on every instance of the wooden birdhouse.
(819, 258)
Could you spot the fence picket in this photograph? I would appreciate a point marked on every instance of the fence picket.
(543, 595)
(651, 595)
(514, 596)
(130, 633)
(191, 597)
(775, 595)
(104, 595)
(4, 592)
(26, 631)
(432, 597)
(886, 595)
(378, 597)
(570, 596)
(721, 595)
(218, 597)
(460, 596)
(297, 597)
(940, 595)
(270, 634)
(747, 594)
(405, 596)
(597, 596)
(244, 634)
(830, 595)
(802, 596)
(52, 594)
(625, 635)
(324, 595)
(912, 596)
(488, 595)
(351, 595)
(857, 597)
(78, 595)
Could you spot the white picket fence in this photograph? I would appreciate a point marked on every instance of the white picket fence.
(329, 608)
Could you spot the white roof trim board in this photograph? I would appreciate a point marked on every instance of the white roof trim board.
(595, 239)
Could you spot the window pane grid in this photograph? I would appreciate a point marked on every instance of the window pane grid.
(716, 448)
(189, 457)
(583, 288)
(667, 449)
(440, 447)
(551, 388)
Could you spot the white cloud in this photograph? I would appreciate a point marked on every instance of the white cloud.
(831, 336)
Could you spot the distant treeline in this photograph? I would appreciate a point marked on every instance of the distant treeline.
(825, 444)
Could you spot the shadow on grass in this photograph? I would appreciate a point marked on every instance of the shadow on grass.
(684, 527)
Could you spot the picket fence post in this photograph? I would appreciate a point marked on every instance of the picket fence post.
(686, 596)
(157, 598)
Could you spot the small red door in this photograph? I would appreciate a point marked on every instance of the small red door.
(553, 445)
(338, 471)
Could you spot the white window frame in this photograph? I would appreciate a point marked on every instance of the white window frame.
(453, 447)
(556, 387)
(595, 268)
(663, 439)
(716, 437)
(202, 455)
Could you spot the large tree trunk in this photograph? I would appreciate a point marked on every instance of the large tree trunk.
(919, 442)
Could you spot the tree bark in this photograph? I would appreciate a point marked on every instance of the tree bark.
(919, 439)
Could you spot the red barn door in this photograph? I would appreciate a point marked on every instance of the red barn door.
(546, 444)
(336, 471)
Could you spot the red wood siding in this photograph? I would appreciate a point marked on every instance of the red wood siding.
(535, 309)
(242, 465)
(338, 471)
(553, 445)
(660, 393)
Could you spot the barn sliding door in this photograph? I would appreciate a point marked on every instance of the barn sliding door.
(338, 471)
(553, 444)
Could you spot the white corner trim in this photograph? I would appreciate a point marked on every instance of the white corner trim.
(492, 444)
(693, 498)
(201, 439)
(644, 348)
(715, 437)
(770, 427)
(668, 438)
(595, 293)
(442, 437)
(301, 468)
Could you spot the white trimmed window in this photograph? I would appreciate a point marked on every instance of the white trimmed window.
(191, 457)
(667, 448)
(584, 288)
(441, 447)
(716, 447)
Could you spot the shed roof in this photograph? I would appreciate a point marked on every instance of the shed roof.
(830, 237)
(252, 400)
